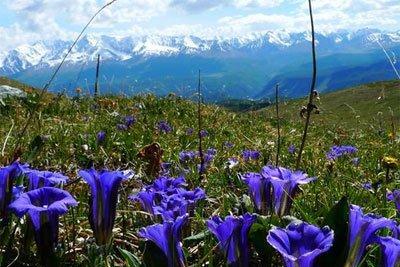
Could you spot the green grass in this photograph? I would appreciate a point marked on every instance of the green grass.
(70, 125)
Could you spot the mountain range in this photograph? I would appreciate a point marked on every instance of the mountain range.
(247, 66)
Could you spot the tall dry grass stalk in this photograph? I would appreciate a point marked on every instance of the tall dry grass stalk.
(53, 76)
(310, 105)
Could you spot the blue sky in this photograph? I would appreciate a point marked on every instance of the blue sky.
(26, 21)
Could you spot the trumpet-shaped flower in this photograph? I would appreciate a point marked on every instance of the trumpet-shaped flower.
(167, 237)
(101, 137)
(248, 155)
(129, 121)
(39, 179)
(232, 234)
(164, 127)
(390, 251)
(339, 151)
(394, 197)
(259, 190)
(103, 201)
(44, 206)
(363, 230)
(300, 243)
(285, 184)
(168, 197)
(8, 175)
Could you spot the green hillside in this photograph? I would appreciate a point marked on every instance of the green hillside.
(366, 105)
(62, 136)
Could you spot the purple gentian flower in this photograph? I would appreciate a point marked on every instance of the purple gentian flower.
(203, 133)
(186, 156)
(390, 251)
(340, 151)
(394, 197)
(168, 197)
(285, 184)
(101, 137)
(259, 190)
(17, 191)
(300, 243)
(189, 131)
(164, 127)
(292, 149)
(228, 145)
(44, 206)
(39, 179)
(211, 151)
(232, 235)
(248, 155)
(103, 201)
(122, 127)
(171, 207)
(8, 175)
(167, 237)
(129, 121)
(363, 232)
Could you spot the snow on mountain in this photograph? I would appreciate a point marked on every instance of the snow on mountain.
(44, 54)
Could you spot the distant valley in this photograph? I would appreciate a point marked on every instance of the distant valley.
(243, 67)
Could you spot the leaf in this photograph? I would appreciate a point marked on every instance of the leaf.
(130, 259)
(337, 220)
(197, 237)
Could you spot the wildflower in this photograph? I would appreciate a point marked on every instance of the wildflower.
(340, 151)
(300, 243)
(203, 133)
(8, 175)
(17, 191)
(103, 201)
(248, 155)
(39, 179)
(211, 151)
(129, 121)
(101, 137)
(232, 234)
(228, 145)
(189, 131)
(122, 127)
(44, 206)
(292, 149)
(367, 186)
(232, 163)
(259, 190)
(168, 197)
(363, 232)
(394, 197)
(167, 236)
(285, 184)
(164, 127)
(186, 156)
(391, 251)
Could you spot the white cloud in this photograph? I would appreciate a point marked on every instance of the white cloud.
(50, 19)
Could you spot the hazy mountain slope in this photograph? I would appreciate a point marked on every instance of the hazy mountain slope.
(240, 67)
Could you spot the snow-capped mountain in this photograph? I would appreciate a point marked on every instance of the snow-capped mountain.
(46, 54)
(246, 66)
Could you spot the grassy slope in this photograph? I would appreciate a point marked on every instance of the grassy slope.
(355, 107)
(70, 125)
(14, 83)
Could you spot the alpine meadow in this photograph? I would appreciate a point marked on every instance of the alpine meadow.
(200, 133)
